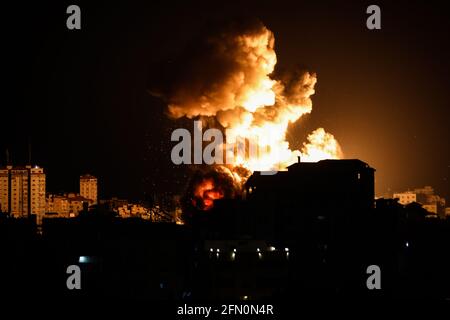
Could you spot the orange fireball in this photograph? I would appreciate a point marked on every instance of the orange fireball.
(205, 193)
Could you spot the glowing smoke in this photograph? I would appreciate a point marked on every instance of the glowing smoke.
(229, 75)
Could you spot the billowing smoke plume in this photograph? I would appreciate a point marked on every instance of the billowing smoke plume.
(229, 75)
(320, 145)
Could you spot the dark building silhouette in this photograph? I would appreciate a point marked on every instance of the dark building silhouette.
(307, 233)
(309, 224)
(327, 183)
(334, 190)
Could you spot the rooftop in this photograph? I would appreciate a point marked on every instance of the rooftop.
(87, 176)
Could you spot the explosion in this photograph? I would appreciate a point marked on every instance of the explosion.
(212, 184)
(229, 76)
(322, 145)
(205, 193)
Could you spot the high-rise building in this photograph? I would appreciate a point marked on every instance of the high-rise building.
(88, 187)
(19, 177)
(22, 191)
(4, 188)
(58, 204)
(37, 188)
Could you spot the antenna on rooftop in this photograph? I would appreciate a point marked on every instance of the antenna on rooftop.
(29, 150)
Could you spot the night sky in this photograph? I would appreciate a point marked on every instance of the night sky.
(80, 96)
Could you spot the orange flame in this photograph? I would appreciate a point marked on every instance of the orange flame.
(205, 193)
(250, 101)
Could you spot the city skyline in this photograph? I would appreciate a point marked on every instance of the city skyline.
(61, 189)
(260, 156)
(69, 204)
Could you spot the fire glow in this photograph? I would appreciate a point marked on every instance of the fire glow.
(205, 194)
(231, 81)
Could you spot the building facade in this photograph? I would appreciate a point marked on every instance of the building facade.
(22, 191)
(425, 196)
(4, 188)
(133, 210)
(88, 187)
(67, 205)
(38, 189)
(405, 198)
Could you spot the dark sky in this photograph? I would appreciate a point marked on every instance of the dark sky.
(80, 96)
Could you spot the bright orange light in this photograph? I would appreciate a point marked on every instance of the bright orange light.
(205, 193)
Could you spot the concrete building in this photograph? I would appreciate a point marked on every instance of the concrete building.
(38, 189)
(58, 204)
(88, 187)
(430, 201)
(432, 208)
(22, 191)
(68, 205)
(18, 194)
(405, 198)
(327, 192)
(133, 210)
(113, 204)
(78, 203)
(4, 188)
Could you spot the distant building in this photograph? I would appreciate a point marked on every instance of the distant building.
(142, 209)
(4, 188)
(68, 205)
(432, 208)
(431, 202)
(133, 210)
(113, 204)
(406, 197)
(57, 204)
(78, 203)
(22, 191)
(38, 189)
(88, 187)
